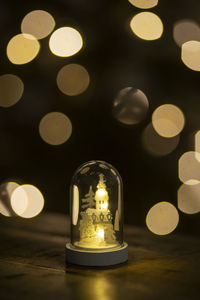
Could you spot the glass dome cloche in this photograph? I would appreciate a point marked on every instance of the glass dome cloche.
(96, 212)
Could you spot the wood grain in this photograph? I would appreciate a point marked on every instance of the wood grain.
(32, 265)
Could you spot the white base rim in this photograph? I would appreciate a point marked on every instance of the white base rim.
(96, 258)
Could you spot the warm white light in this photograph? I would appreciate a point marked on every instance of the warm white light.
(22, 48)
(38, 23)
(11, 90)
(189, 198)
(190, 55)
(100, 233)
(101, 192)
(157, 145)
(145, 4)
(27, 201)
(104, 205)
(168, 120)
(147, 26)
(55, 128)
(186, 30)
(73, 79)
(65, 41)
(189, 168)
(162, 218)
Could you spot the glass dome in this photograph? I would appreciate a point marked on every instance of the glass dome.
(96, 207)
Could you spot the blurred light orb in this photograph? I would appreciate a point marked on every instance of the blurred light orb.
(6, 191)
(65, 41)
(144, 4)
(186, 30)
(190, 55)
(189, 198)
(189, 168)
(38, 23)
(168, 120)
(162, 218)
(11, 89)
(130, 106)
(55, 128)
(157, 145)
(73, 79)
(22, 48)
(147, 26)
(27, 201)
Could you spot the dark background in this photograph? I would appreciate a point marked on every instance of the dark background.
(115, 58)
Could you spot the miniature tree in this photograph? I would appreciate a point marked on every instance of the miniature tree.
(88, 201)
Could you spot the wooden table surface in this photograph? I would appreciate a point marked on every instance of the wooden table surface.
(32, 265)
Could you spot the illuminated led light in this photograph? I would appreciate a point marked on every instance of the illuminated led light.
(162, 218)
(22, 48)
(189, 168)
(147, 26)
(65, 41)
(189, 198)
(73, 79)
(130, 106)
(168, 120)
(27, 201)
(38, 23)
(6, 191)
(157, 145)
(100, 233)
(55, 128)
(97, 234)
(186, 30)
(190, 55)
(11, 90)
(144, 4)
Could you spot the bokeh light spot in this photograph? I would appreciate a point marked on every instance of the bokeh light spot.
(197, 145)
(168, 120)
(27, 201)
(6, 191)
(189, 198)
(186, 30)
(22, 48)
(162, 218)
(65, 41)
(55, 128)
(190, 55)
(38, 23)
(11, 89)
(144, 4)
(147, 26)
(157, 145)
(189, 168)
(130, 106)
(73, 79)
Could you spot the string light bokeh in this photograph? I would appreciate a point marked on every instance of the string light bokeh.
(120, 86)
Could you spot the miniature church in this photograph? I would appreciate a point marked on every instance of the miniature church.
(96, 228)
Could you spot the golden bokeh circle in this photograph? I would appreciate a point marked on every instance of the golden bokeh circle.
(168, 120)
(55, 128)
(147, 26)
(22, 48)
(73, 79)
(162, 218)
(12, 88)
(65, 41)
(38, 23)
